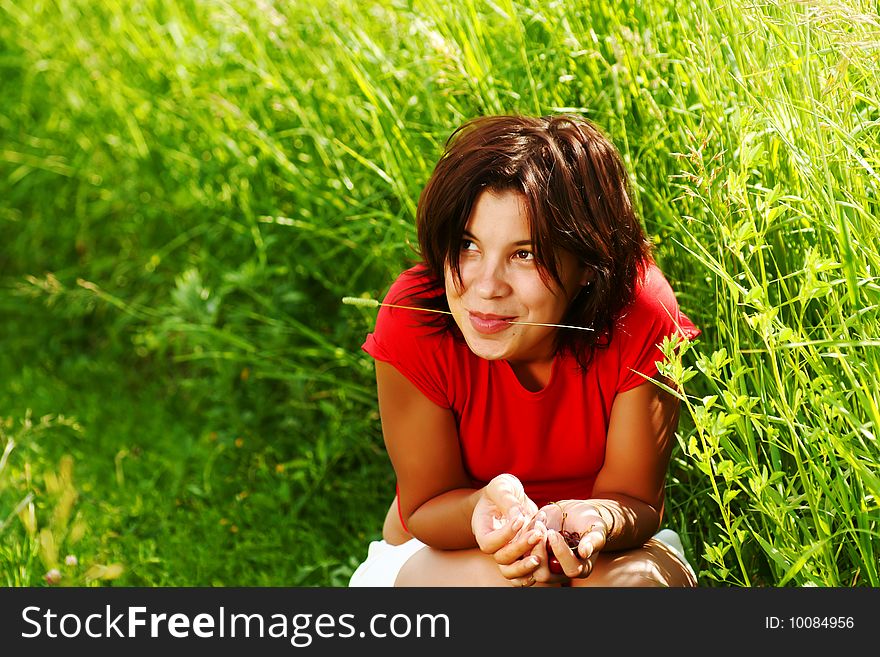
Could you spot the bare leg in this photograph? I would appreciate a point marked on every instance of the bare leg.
(430, 567)
(655, 564)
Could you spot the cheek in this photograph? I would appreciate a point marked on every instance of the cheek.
(453, 297)
(532, 291)
(455, 287)
(551, 307)
(465, 271)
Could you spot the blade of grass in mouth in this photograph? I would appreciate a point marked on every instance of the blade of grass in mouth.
(372, 303)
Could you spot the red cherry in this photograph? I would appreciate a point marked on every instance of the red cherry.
(553, 562)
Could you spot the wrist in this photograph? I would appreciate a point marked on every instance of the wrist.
(589, 514)
(609, 519)
(631, 522)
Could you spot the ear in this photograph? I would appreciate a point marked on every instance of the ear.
(587, 277)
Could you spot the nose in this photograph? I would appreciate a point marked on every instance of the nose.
(490, 280)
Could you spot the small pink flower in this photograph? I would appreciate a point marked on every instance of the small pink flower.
(71, 560)
(53, 577)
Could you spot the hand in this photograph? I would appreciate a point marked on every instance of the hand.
(501, 512)
(505, 525)
(575, 520)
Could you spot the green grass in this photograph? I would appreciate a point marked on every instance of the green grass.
(188, 189)
(178, 488)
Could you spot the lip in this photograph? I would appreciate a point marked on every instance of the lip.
(488, 324)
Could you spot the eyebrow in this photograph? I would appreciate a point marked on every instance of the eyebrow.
(470, 235)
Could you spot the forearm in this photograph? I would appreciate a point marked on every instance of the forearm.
(444, 521)
(631, 522)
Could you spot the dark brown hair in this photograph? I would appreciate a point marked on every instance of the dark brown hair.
(576, 197)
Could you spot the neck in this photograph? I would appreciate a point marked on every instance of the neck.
(533, 375)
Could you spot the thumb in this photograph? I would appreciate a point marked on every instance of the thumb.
(507, 492)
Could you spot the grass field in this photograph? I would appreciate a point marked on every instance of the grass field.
(187, 190)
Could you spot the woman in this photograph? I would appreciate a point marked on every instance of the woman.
(521, 415)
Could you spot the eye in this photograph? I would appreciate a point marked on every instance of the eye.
(468, 245)
(524, 255)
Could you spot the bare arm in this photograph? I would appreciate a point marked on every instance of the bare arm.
(629, 488)
(392, 530)
(628, 492)
(437, 498)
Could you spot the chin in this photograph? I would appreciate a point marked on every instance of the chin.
(486, 349)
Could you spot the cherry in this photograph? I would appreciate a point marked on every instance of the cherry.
(572, 538)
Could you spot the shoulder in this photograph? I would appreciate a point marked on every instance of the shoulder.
(412, 340)
(653, 292)
(652, 317)
(655, 304)
(404, 310)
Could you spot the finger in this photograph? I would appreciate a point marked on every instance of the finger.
(592, 541)
(505, 487)
(526, 527)
(590, 554)
(523, 568)
(544, 573)
(519, 546)
(487, 517)
(493, 540)
(534, 523)
(507, 492)
(571, 565)
(531, 524)
(552, 515)
(523, 582)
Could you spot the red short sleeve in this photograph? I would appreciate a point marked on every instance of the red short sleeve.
(642, 327)
(402, 339)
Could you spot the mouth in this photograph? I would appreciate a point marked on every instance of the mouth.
(487, 324)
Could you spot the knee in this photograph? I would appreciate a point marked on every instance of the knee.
(653, 565)
(430, 567)
(668, 568)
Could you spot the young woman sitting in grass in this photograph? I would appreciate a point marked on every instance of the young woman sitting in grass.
(529, 446)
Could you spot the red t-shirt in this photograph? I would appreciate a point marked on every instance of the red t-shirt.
(553, 440)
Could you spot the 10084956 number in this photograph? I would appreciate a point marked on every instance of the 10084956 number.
(821, 622)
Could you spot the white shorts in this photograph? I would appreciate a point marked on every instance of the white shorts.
(384, 561)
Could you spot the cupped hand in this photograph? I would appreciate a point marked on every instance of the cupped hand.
(570, 520)
(506, 526)
(501, 511)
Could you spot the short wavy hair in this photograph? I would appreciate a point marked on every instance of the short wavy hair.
(577, 198)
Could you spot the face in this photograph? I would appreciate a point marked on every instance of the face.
(501, 282)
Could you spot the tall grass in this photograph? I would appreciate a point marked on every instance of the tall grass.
(780, 198)
(199, 184)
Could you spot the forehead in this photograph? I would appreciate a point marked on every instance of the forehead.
(500, 215)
